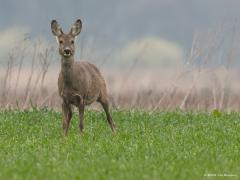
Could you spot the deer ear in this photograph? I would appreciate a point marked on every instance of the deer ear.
(76, 28)
(56, 29)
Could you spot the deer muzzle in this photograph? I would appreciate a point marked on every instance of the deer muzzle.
(67, 52)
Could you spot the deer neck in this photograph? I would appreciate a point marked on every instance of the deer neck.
(67, 70)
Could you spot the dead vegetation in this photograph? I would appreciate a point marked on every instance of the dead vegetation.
(208, 79)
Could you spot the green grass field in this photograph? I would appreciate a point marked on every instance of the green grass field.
(166, 145)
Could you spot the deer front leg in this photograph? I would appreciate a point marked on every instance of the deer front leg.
(67, 115)
(81, 115)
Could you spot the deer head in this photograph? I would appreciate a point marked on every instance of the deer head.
(66, 41)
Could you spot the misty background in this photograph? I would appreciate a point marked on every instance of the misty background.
(158, 32)
(154, 54)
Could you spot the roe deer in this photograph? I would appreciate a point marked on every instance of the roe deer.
(79, 83)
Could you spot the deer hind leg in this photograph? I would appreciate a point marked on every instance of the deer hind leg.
(67, 115)
(105, 104)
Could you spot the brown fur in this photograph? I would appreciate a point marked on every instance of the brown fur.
(79, 83)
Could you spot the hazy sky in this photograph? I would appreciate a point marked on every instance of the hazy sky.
(120, 23)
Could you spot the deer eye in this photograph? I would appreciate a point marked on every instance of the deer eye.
(60, 41)
(72, 42)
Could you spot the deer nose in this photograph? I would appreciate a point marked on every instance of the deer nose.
(67, 51)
